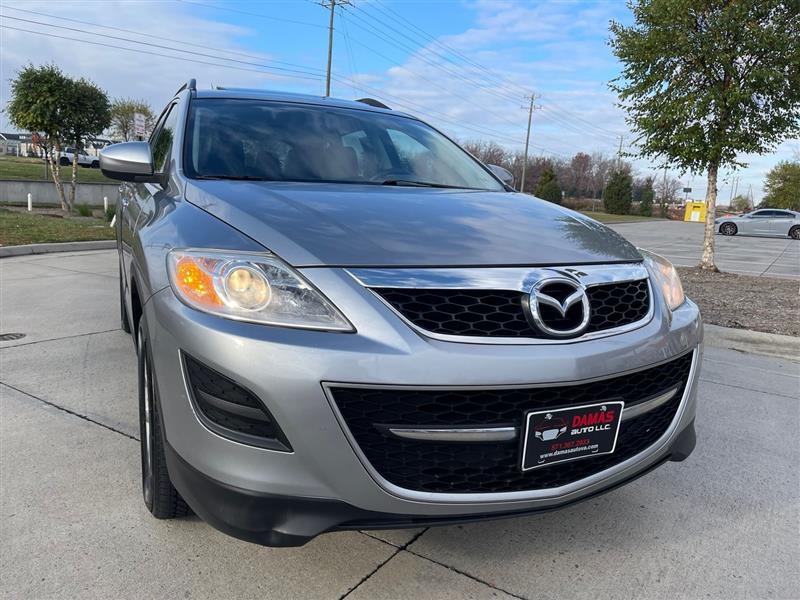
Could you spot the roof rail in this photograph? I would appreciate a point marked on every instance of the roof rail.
(373, 102)
(191, 85)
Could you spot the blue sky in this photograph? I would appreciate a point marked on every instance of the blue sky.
(463, 66)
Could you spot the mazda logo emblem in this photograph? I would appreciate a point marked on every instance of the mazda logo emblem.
(559, 306)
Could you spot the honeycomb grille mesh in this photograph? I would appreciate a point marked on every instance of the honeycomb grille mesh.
(500, 313)
(448, 467)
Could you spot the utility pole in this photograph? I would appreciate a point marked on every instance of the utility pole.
(664, 195)
(331, 4)
(619, 154)
(531, 108)
(330, 50)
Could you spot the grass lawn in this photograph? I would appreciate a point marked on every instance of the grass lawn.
(19, 167)
(609, 218)
(22, 228)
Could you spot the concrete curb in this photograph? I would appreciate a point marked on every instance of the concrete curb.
(8, 251)
(754, 342)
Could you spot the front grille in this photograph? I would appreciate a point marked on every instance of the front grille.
(449, 467)
(230, 410)
(500, 313)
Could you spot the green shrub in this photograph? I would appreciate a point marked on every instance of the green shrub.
(547, 187)
(617, 196)
(110, 212)
(648, 195)
(84, 210)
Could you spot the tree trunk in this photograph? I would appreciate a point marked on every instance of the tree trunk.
(73, 183)
(707, 261)
(54, 158)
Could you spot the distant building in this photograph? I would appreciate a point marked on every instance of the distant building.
(21, 144)
(17, 144)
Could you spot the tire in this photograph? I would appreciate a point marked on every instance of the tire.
(63, 161)
(95, 164)
(794, 232)
(728, 229)
(160, 496)
(125, 324)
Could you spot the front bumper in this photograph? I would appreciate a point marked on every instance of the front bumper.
(283, 498)
(283, 521)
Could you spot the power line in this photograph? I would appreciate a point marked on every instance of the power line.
(140, 51)
(433, 83)
(398, 101)
(483, 81)
(251, 14)
(369, 28)
(262, 68)
(149, 35)
(381, 5)
(160, 46)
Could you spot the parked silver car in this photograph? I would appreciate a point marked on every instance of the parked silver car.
(345, 321)
(764, 221)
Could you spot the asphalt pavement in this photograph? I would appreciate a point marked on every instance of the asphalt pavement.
(723, 524)
(682, 243)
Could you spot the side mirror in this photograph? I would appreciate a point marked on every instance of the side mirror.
(502, 174)
(128, 161)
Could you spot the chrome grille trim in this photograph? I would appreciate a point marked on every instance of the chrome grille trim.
(518, 279)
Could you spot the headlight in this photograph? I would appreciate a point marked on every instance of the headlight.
(666, 278)
(256, 288)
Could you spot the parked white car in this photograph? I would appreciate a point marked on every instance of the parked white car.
(765, 221)
(84, 160)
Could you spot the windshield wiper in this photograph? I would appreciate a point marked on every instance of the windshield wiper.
(234, 177)
(412, 183)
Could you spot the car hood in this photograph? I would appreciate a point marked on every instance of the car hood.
(314, 224)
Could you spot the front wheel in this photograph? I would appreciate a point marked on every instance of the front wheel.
(728, 229)
(64, 161)
(794, 232)
(160, 496)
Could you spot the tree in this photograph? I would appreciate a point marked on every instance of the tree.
(667, 192)
(37, 106)
(740, 204)
(86, 114)
(782, 186)
(59, 111)
(122, 111)
(547, 187)
(618, 194)
(646, 196)
(706, 80)
(489, 153)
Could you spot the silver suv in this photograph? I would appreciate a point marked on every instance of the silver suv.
(345, 321)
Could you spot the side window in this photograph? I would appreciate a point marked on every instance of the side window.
(760, 214)
(783, 215)
(161, 142)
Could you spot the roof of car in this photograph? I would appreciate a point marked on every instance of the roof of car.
(278, 96)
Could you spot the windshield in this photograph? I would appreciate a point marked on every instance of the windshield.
(254, 139)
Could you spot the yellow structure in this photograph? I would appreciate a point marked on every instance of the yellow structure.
(695, 212)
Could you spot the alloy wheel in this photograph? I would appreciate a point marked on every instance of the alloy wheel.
(147, 424)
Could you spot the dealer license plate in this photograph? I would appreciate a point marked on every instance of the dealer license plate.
(564, 434)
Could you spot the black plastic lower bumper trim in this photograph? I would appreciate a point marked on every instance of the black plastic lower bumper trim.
(273, 520)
